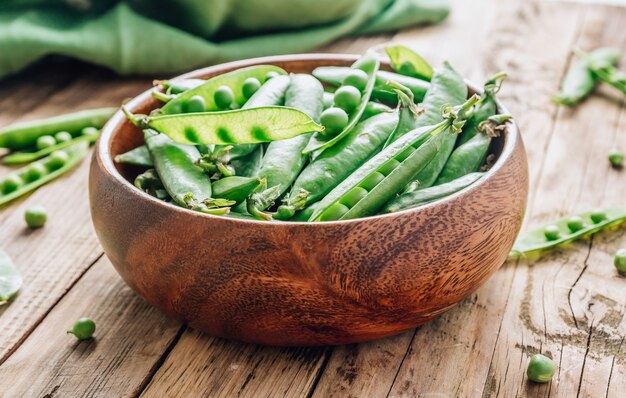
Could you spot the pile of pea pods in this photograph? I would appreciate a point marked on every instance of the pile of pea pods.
(340, 143)
(47, 149)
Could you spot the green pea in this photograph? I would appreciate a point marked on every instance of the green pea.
(63, 136)
(597, 216)
(334, 120)
(35, 171)
(90, 131)
(347, 98)
(575, 223)
(356, 78)
(35, 216)
(83, 329)
(11, 183)
(57, 160)
(45, 141)
(250, 86)
(195, 104)
(271, 75)
(620, 261)
(616, 158)
(552, 232)
(540, 369)
(223, 97)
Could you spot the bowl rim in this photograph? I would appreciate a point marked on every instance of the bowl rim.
(102, 154)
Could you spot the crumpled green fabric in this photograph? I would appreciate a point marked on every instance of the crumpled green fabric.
(169, 36)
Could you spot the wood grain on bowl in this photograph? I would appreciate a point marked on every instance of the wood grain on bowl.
(304, 283)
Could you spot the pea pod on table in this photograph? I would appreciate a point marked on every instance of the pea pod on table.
(566, 230)
(283, 160)
(10, 279)
(38, 173)
(383, 176)
(206, 91)
(369, 64)
(24, 135)
(336, 163)
(26, 157)
(406, 62)
(242, 126)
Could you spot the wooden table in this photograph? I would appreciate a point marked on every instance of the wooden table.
(570, 304)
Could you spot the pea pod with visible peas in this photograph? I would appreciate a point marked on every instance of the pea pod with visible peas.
(185, 182)
(566, 230)
(368, 63)
(206, 91)
(415, 198)
(24, 135)
(284, 160)
(579, 80)
(380, 178)
(38, 173)
(177, 86)
(336, 163)
(25, 157)
(10, 279)
(243, 126)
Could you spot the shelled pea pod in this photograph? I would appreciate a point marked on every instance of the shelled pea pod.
(24, 135)
(336, 163)
(139, 156)
(406, 62)
(470, 156)
(335, 75)
(409, 112)
(150, 182)
(20, 157)
(236, 188)
(242, 126)
(447, 89)
(579, 80)
(185, 182)
(10, 279)
(565, 230)
(369, 64)
(230, 85)
(377, 181)
(36, 174)
(411, 199)
(284, 159)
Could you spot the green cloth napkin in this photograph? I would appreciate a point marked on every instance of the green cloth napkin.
(169, 36)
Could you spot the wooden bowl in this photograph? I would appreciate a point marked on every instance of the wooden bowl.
(283, 283)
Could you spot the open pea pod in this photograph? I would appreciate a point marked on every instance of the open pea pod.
(369, 64)
(569, 229)
(233, 79)
(10, 279)
(408, 63)
(20, 157)
(241, 126)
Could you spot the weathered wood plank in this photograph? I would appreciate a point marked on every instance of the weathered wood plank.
(130, 339)
(53, 258)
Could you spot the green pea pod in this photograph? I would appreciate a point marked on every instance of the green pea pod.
(250, 164)
(535, 241)
(235, 188)
(338, 162)
(407, 62)
(177, 86)
(484, 109)
(50, 167)
(383, 176)
(375, 108)
(233, 79)
(447, 89)
(579, 81)
(150, 182)
(25, 134)
(417, 198)
(10, 279)
(26, 157)
(139, 156)
(382, 92)
(242, 126)
(369, 64)
(185, 182)
(305, 214)
(409, 113)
